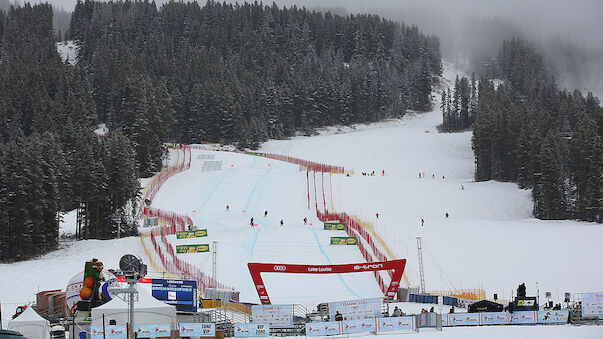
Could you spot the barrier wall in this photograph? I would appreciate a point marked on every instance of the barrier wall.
(372, 325)
(505, 318)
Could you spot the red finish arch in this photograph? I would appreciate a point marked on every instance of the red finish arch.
(256, 270)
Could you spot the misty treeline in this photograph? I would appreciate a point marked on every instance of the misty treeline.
(575, 64)
(528, 131)
(244, 73)
(51, 160)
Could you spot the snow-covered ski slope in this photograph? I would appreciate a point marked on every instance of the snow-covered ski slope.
(251, 185)
(490, 239)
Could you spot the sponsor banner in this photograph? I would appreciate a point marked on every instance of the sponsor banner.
(357, 309)
(152, 330)
(463, 319)
(320, 329)
(191, 234)
(276, 316)
(359, 326)
(197, 329)
(257, 154)
(192, 248)
(494, 318)
(523, 317)
(344, 241)
(251, 330)
(334, 226)
(112, 332)
(553, 317)
(396, 324)
(592, 304)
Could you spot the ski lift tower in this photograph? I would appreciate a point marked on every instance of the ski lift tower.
(421, 272)
(133, 270)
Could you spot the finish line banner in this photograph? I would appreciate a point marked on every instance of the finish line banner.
(344, 241)
(191, 234)
(192, 248)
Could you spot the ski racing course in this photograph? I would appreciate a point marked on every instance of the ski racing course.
(250, 186)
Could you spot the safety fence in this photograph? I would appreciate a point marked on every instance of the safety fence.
(370, 252)
(173, 222)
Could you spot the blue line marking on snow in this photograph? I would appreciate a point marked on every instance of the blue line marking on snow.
(213, 191)
(255, 239)
(329, 261)
(257, 183)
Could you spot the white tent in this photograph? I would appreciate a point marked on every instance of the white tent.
(31, 325)
(147, 310)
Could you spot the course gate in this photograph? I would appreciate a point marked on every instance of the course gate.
(256, 269)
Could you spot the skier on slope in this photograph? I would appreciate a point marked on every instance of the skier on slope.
(282, 223)
(305, 221)
(265, 213)
(251, 222)
(227, 208)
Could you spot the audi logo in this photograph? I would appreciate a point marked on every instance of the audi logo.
(280, 268)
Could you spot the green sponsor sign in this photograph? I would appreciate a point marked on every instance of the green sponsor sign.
(192, 248)
(257, 154)
(334, 226)
(343, 241)
(191, 234)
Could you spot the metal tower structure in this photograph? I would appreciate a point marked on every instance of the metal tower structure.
(421, 273)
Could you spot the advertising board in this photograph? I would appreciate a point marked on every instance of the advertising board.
(152, 330)
(334, 226)
(463, 319)
(179, 293)
(321, 329)
(359, 326)
(523, 317)
(357, 309)
(191, 234)
(494, 318)
(344, 241)
(251, 330)
(396, 324)
(277, 316)
(111, 332)
(553, 317)
(199, 248)
(592, 304)
(197, 329)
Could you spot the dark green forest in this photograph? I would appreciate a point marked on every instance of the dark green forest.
(185, 73)
(528, 131)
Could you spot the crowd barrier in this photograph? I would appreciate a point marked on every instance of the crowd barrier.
(372, 325)
(505, 318)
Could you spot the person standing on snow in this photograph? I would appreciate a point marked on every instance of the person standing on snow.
(251, 222)
(265, 213)
(227, 208)
(446, 215)
(422, 222)
(282, 223)
(377, 215)
(305, 221)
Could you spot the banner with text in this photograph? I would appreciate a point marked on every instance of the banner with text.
(192, 248)
(152, 330)
(334, 226)
(197, 329)
(357, 309)
(396, 324)
(112, 332)
(553, 317)
(523, 317)
(463, 319)
(592, 304)
(252, 330)
(359, 326)
(326, 328)
(494, 318)
(343, 241)
(277, 316)
(191, 234)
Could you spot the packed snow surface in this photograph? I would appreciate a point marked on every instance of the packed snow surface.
(489, 240)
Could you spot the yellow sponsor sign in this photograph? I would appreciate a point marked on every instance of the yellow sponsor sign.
(344, 241)
(192, 248)
(191, 234)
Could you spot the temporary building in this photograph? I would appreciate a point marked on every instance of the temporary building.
(147, 310)
(31, 325)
